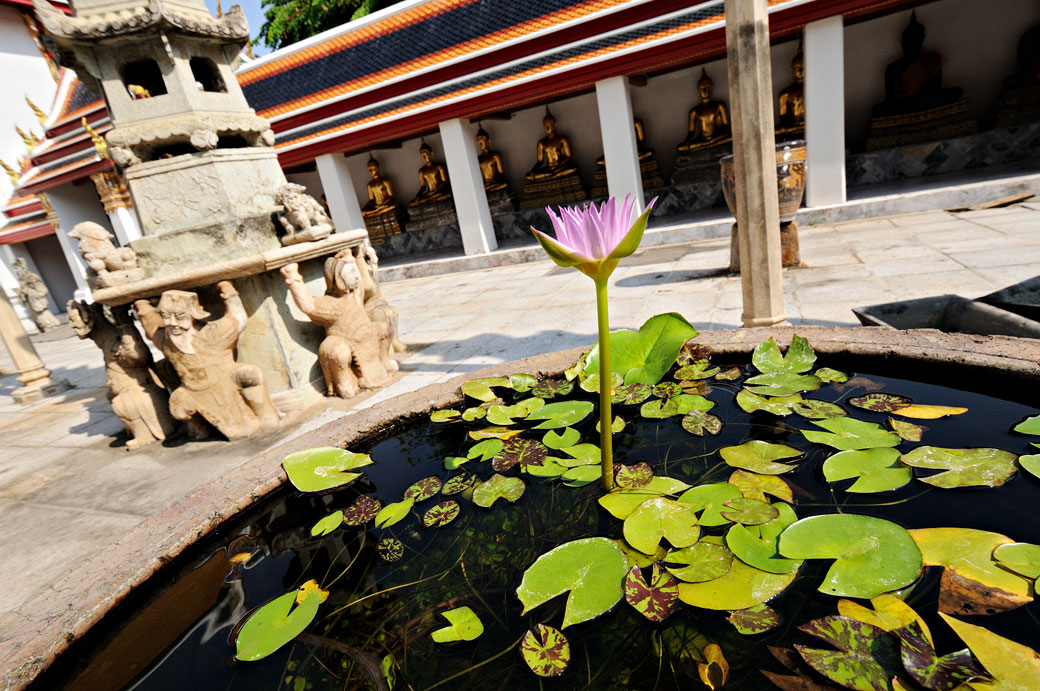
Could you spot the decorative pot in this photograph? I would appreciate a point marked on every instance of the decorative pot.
(790, 178)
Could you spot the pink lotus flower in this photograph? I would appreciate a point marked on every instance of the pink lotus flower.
(594, 239)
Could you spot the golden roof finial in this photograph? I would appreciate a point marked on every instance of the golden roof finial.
(40, 115)
(100, 145)
(249, 50)
(30, 139)
(220, 12)
(11, 172)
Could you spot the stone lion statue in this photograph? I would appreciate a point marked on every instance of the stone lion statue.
(301, 217)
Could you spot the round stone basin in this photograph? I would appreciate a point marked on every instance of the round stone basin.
(1005, 367)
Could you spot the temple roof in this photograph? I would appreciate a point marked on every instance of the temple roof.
(25, 218)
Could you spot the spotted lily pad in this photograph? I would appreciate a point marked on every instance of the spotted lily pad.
(591, 570)
(680, 404)
(831, 376)
(444, 415)
(661, 518)
(756, 545)
(633, 476)
(562, 414)
(709, 500)
(798, 358)
(758, 456)
(1021, 557)
(631, 395)
(422, 490)
(465, 625)
(889, 613)
(875, 470)
(547, 653)
(728, 375)
(781, 384)
(928, 669)
(363, 510)
(568, 437)
(847, 434)
(872, 555)
(498, 486)
(880, 402)
(964, 467)
(645, 355)
(667, 389)
(692, 353)
(485, 449)
(700, 423)
(929, 412)
(458, 483)
(1030, 425)
(907, 431)
(521, 382)
(394, 513)
(655, 600)
(698, 388)
(754, 620)
(777, 405)
(814, 409)
(277, 622)
(701, 369)
(390, 549)
(700, 562)
(522, 452)
(441, 514)
(1013, 666)
(755, 486)
(323, 468)
(327, 524)
(480, 389)
(866, 657)
(742, 586)
(551, 388)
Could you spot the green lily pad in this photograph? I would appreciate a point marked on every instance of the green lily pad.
(748, 511)
(875, 470)
(666, 389)
(709, 500)
(781, 384)
(1030, 463)
(276, 623)
(562, 414)
(1013, 666)
(522, 452)
(700, 423)
(328, 524)
(622, 502)
(591, 382)
(754, 620)
(964, 467)
(698, 388)
(458, 483)
(581, 454)
(495, 432)
(521, 382)
(591, 570)
(551, 388)
(394, 513)
(441, 514)
(549, 467)
(633, 476)
(547, 653)
(659, 518)
(778, 405)
(390, 549)
(701, 369)
(455, 462)
(701, 562)
(323, 468)
(480, 389)
(568, 437)
(581, 475)
(645, 355)
(848, 434)
(655, 600)
(831, 376)
(799, 357)
(755, 486)
(758, 456)
(615, 427)
(498, 486)
(728, 375)
(631, 395)
(363, 510)
(1030, 425)
(465, 625)
(907, 431)
(757, 545)
(680, 404)
(944, 673)
(422, 490)
(504, 414)
(866, 658)
(742, 586)
(880, 402)
(1021, 557)
(444, 415)
(872, 555)
(813, 409)
(485, 449)
(475, 413)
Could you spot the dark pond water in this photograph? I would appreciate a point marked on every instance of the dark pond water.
(186, 639)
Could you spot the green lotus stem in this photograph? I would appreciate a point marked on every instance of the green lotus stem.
(605, 380)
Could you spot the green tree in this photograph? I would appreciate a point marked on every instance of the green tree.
(289, 21)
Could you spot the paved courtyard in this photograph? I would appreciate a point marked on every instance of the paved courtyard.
(68, 486)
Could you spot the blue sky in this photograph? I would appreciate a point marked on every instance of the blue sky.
(254, 14)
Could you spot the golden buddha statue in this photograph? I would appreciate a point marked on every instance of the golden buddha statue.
(642, 150)
(791, 103)
(380, 192)
(914, 82)
(433, 180)
(709, 120)
(491, 167)
(554, 153)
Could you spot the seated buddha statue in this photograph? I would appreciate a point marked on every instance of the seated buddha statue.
(380, 192)
(709, 120)
(433, 180)
(914, 82)
(491, 167)
(1027, 61)
(642, 150)
(554, 153)
(791, 102)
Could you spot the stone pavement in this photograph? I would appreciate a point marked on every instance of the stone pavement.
(68, 486)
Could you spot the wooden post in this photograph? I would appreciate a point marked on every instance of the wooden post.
(754, 161)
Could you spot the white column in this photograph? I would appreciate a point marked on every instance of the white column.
(467, 187)
(9, 284)
(825, 112)
(124, 225)
(620, 152)
(339, 192)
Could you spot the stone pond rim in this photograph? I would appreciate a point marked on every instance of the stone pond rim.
(39, 631)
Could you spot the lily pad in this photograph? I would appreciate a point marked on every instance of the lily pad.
(562, 414)
(1031, 464)
(831, 376)
(866, 657)
(390, 549)
(485, 449)
(709, 500)
(633, 476)
(755, 486)
(661, 518)
(907, 431)
(521, 382)
(323, 468)
(798, 358)
(556, 441)
(1021, 557)
(465, 625)
(754, 620)
(591, 382)
(742, 586)
(522, 452)
(551, 388)
(504, 414)
(667, 389)
(964, 467)
(848, 434)
(692, 353)
(550, 467)
(631, 395)
(813, 409)
(1030, 425)
(547, 653)
(455, 462)
(394, 513)
(715, 669)
(327, 524)
(758, 456)
(655, 600)
(495, 432)
(757, 545)
(444, 415)
(581, 475)
(498, 487)
(475, 413)
(277, 622)
(929, 412)
(581, 454)
(748, 511)
(363, 510)
(728, 375)
(880, 402)
(591, 570)
(645, 355)
(700, 423)
(872, 555)
(944, 673)
(701, 561)
(875, 470)
(680, 404)
(698, 388)
(1013, 666)
(781, 384)
(422, 490)
(889, 613)
(458, 483)
(616, 426)
(480, 389)
(701, 369)
(441, 514)
(778, 405)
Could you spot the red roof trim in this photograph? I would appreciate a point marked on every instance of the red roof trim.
(42, 184)
(15, 234)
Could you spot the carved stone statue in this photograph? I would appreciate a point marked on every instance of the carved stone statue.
(302, 217)
(492, 169)
(708, 121)
(229, 395)
(33, 294)
(378, 309)
(433, 180)
(791, 102)
(382, 214)
(1019, 101)
(356, 351)
(134, 388)
(554, 153)
(109, 264)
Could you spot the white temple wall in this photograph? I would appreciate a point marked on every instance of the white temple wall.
(51, 266)
(310, 180)
(9, 283)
